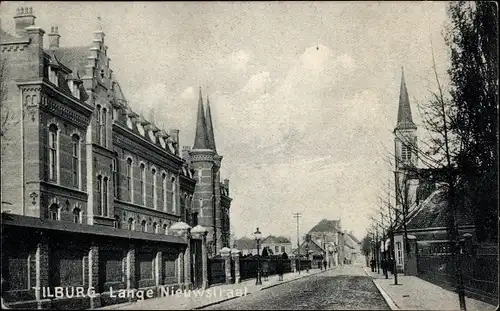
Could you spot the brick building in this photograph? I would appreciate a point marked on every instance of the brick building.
(89, 188)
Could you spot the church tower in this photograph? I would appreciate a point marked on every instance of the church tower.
(405, 145)
(206, 164)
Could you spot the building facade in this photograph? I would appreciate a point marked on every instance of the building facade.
(89, 188)
(278, 244)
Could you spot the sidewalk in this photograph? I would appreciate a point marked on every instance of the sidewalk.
(417, 294)
(216, 294)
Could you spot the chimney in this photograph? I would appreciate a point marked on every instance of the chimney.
(54, 37)
(24, 18)
(185, 152)
(174, 133)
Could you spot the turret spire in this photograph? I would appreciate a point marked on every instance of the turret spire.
(201, 137)
(210, 128)
(404, 111)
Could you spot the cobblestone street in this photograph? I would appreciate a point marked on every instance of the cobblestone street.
(345, 287)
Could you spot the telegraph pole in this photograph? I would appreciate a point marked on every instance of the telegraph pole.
(297, 216)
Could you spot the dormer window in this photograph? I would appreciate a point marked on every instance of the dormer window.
(53, 75)
(75, 90)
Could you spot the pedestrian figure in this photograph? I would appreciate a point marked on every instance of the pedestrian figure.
(280, 269)
(384, 266)
(265, 269)
(372, 264)
(324, 263)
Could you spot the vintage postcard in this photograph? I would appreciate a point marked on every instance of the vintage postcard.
(322, 155)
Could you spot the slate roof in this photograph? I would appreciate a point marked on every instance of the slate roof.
(245, 243)
(74, 57)
(6, 37)
(275, 240)
(405, 120)
(432, 213)
(326, 226)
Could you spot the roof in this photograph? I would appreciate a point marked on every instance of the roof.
(245, 243)
(353, 238)
(6, 37)
(74, 57)
(201, 137)
(432, 213)
(275, 240)
(210, 128)
(405, 120)
(326, 226)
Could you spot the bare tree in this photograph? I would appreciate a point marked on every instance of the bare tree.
(7, 118)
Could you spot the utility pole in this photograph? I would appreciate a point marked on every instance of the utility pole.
(297, 216)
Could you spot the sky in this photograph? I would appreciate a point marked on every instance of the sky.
(304, 95)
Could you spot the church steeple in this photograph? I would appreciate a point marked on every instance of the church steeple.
(405, 120)
(210, 128)
(201, 137)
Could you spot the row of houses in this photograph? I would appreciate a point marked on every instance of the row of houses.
(91, 189)
(325, 240)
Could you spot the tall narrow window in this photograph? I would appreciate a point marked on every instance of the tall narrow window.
(54, 212)
(99, 195)
(405, 153)
(165, 228)
(201, 207)
(53, 152)
(153, 187)
(155, 227)
(173, 196)
(129, 180)
(164, 190)
(144, 226)
(76, 160)
(115, 180)
(130, 224)
(143, 183)
(116, 223)
(103, 128)
(105, 197)
(98, 124)
(77, 216)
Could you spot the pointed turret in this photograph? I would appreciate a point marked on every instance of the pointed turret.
(210, 128)
(201, 137)
(404, 111)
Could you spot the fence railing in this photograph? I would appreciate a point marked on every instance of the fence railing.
(479, 271)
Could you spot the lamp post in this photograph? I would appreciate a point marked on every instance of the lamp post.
(307, 256)
(258, 235)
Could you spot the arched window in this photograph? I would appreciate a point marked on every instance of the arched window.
(99, 195)
(53, 152)
(129, 180)
(105, 196)
(174, 188)
(164, 190)
(75, 164)
(165, 228)
(131, 224)
(144, 226)
(77, 215)
(155, 227)
(54, 212)
(103, 128)
(117, 223)
(98, 124)
(115, 180)
(143, 183)
(153, 188)
(201, 207)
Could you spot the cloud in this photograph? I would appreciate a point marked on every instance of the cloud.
(188, 93)
(258, 84)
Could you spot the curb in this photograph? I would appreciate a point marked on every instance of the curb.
(392, 305)
(284, 282)
(218, 302)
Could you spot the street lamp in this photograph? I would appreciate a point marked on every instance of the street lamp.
(258, 235)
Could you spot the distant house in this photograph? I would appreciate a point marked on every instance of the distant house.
(353, 247)
(278, 244)
(328, 235)
(247, 246)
